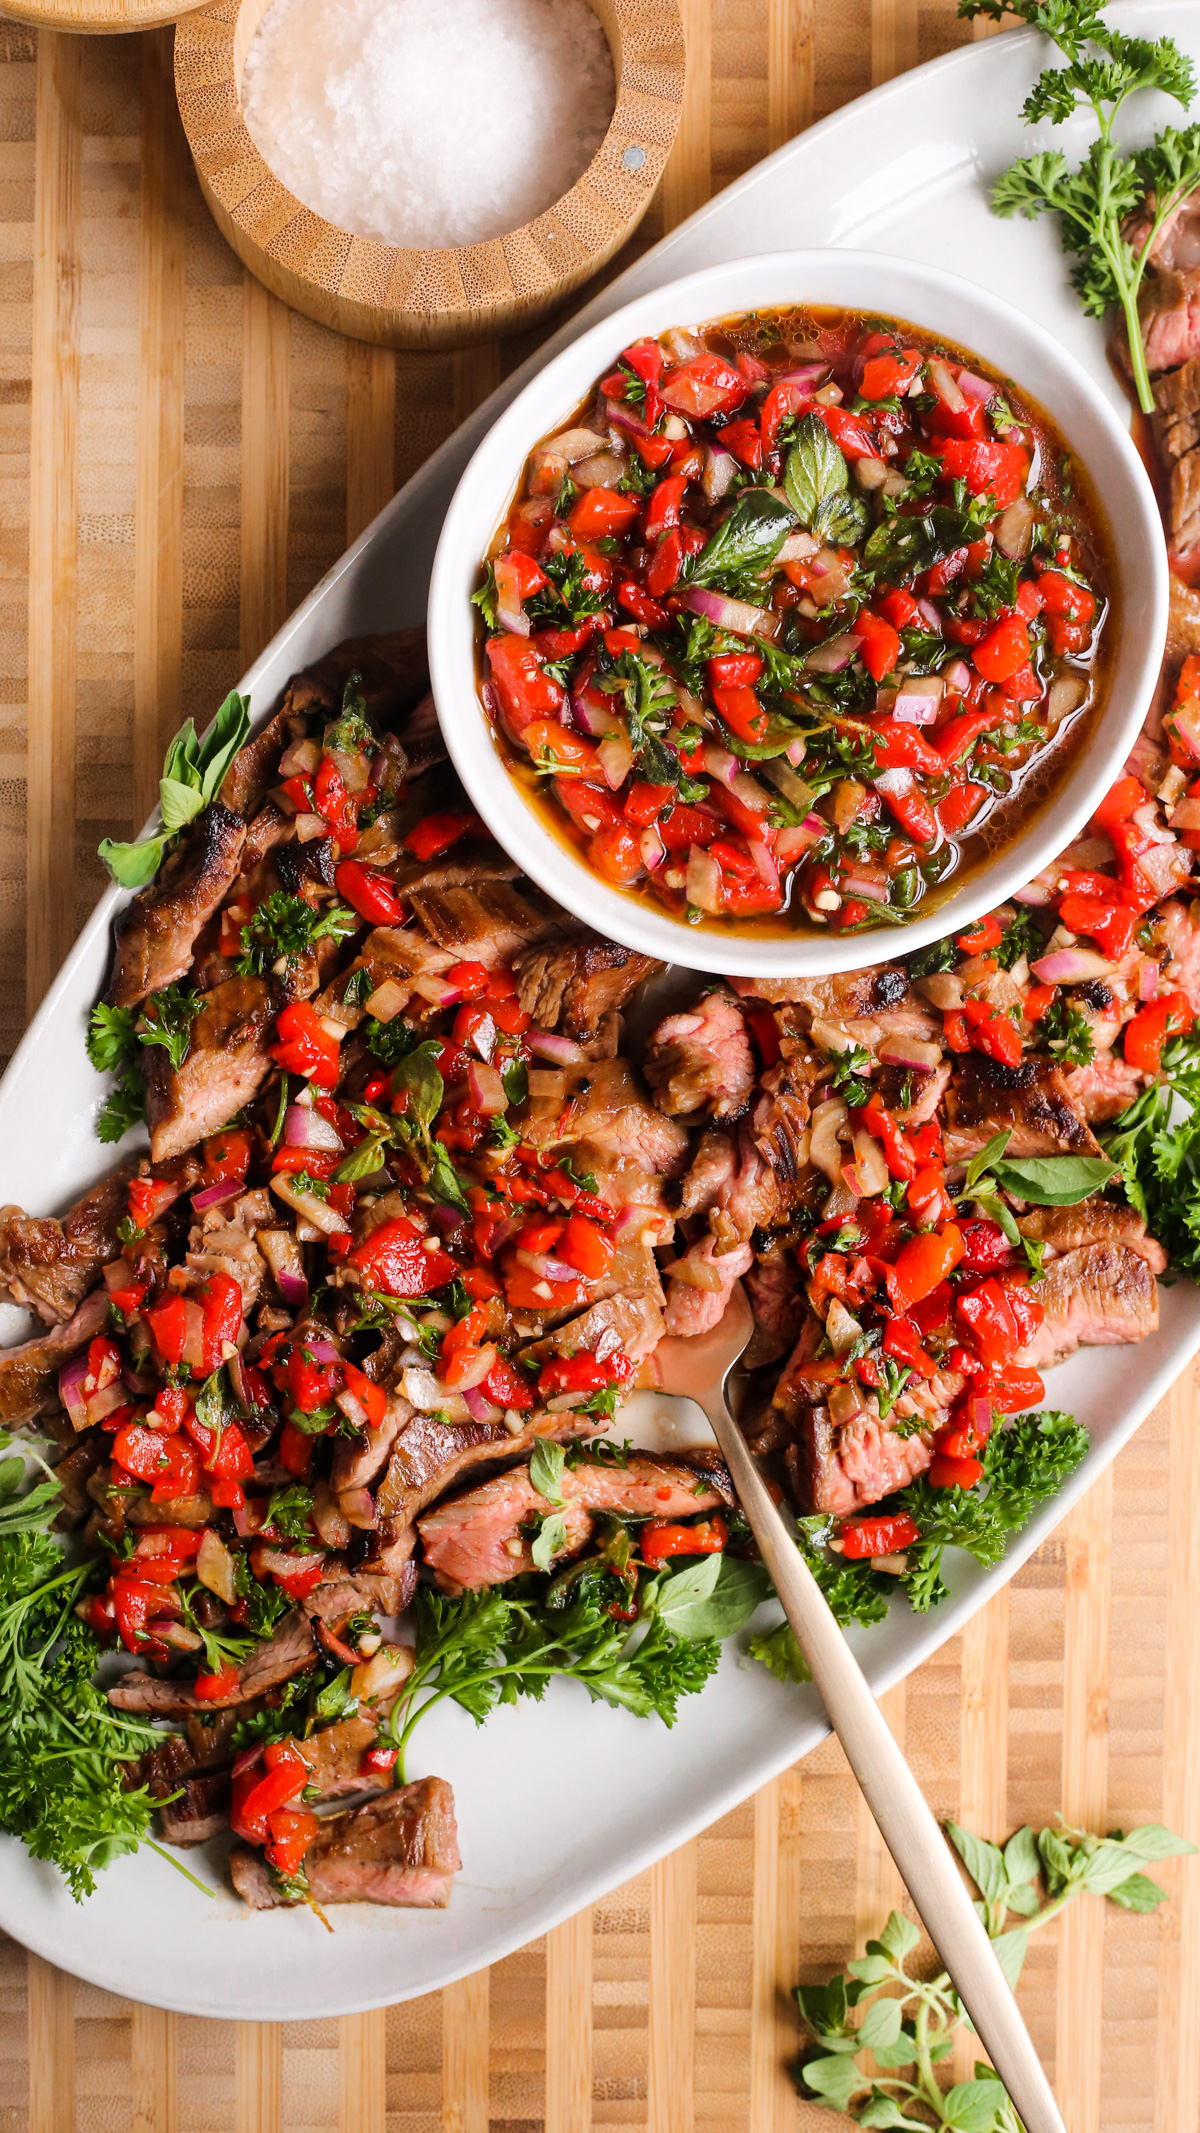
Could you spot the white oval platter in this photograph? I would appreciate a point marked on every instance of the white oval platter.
(560, 1801)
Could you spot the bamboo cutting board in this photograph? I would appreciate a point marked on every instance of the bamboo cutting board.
(180, 460)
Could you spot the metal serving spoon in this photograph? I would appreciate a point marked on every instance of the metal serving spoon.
(698, 1369)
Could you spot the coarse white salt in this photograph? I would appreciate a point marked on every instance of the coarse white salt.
(428, 124)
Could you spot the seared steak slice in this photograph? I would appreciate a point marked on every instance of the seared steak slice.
(603, 1105)
(357, 1460)
(576, 984)
(51, 1265)
(699, 1285)
(635, 1321)
(202, 1811)
(1177, 434)
(255, 767)
(156, 932)
(487, 922)
(476, 1539)
(73, 1472)
(429, 1456)
(702, 1060)
(289, 1652)
(840, 1469)
(1031, 1100)
(401, 1849)
(777, 1301)
(1102, 1089)
(225, 1067)
(1183, 627)
(29, 1373)
(1094, 1221)
(1095, 1297)
(1169, 305)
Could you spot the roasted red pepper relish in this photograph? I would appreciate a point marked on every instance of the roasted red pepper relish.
(788, 626)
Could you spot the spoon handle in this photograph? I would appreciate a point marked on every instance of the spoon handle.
(891, 1791)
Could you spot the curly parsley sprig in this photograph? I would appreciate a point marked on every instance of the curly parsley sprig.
(1103, 69)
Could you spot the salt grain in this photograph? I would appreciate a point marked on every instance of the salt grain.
(426, 125)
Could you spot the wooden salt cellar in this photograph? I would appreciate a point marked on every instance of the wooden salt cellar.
(437, 298)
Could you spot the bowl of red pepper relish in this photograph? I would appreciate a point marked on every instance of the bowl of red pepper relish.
(789, 639)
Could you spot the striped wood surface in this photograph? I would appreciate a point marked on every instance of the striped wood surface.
(180, 461)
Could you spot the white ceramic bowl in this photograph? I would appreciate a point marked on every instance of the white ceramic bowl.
(863, 281)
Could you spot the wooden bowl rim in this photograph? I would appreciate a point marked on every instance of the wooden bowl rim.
(103, 18)
(649, 32)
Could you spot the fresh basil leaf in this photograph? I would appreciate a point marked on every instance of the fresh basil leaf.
(191, 777)
(132, 865)
(1055, 1180)
(746, 543)
(515, 1077)
(840, 521)
(178, 804)
(216, 751)
(547, 1465)
(363, 1160)
(902, 547)
(551, 1540)
(418, 1074)
(816, 469)
(712, 1597)
(984, 1158)
(444, 1180)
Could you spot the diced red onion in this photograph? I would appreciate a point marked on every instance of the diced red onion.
(483, 1037)
(352, 1407)
(303, 1128)
(945, 388)
(239, 1385)
(703, 886)
(1071, 966)
(795, 753)
(930, 615)
(721, 764)
(720, 470)
(616, 760)
(1186, 815)
(918, 701)
(249, 1516)
(735, 615)
(321, 1350)
(482, 1409)
(957, 677)
(301, 757)
(1148, 976)
(652, 848)
(596, 718)
(805, 375)
(798, 838)
(106, 1401)
(911, 1052)
(549, 1044)
(975, 388)
(831, 657)
(871, 886)
(446, 1218)
(1036, 893)
(750, 793)
(70, 1389)
(558, 1270)
(764, 862)
(310, 1209)
(212, 1195)
(798, 547)
(136, 1382)
(624, 417)
(486, 1089)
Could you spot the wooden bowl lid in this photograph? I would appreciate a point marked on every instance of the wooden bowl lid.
(437, 298)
